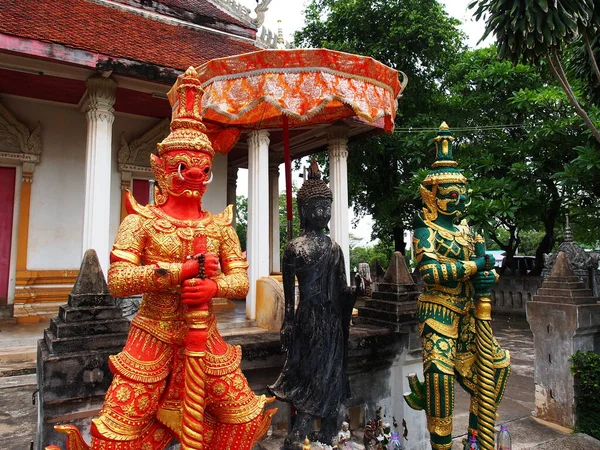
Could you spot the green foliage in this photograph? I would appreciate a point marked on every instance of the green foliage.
(241, 219)
(586, 369)
(522, 132)
(418, 38)
(580, 65)
(377, 256)
(533, 31)
(529, 30)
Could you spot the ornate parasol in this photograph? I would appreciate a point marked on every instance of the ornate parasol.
(291, 88)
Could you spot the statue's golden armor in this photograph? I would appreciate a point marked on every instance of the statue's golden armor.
(447, 324)
(454, 310)
(143, 404)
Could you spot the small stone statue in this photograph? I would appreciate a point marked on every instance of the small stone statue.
(314, 377)
(344, 439)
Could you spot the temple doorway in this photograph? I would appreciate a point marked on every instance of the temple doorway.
(7, 202)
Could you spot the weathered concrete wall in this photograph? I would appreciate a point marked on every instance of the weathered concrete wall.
(379, 362)
(58, 189)
(564, 318)
(512, 293)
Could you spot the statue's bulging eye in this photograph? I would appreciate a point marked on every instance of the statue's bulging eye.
(454, 195)
(206, 170)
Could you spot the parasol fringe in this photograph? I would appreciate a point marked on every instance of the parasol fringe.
(257, 72)
(300, 117)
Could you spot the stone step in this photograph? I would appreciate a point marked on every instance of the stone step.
(396, 327)
(81, 314)
(92, 327)
(93, 300)
(395, 296)
(563, 285)
(78, 344)
(18, 354)
(237, 324)
(386, 316)
(564, 292)
(563, 280)
(243, 331)
(392, 306)
(564, 299)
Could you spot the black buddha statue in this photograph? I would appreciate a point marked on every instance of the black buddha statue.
(314, 378)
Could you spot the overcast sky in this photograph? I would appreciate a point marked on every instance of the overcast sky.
(290, 14)
(292, 19)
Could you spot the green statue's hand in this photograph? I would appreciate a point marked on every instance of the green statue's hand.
(484, 262)
(483, 281)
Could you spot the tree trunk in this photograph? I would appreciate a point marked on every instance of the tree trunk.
(559, 73)
(549, 218)
(590, 51)
(399, 244)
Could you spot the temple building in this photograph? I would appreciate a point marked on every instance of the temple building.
(83, 102)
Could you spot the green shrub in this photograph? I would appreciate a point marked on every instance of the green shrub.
(586, 369)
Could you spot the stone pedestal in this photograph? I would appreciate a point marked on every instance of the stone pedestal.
(393, 303)
(72, 359)
(564, 317)
(583, 264)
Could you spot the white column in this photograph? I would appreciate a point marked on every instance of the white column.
(275, 265)
(98, 106)
(231, 189)
(337, 136)
(258, 214)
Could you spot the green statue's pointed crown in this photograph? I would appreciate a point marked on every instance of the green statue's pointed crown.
(444, 170)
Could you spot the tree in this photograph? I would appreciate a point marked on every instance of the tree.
(377, 256)
(536, 30)
(519, 134)
(418, 38)
(241, 219)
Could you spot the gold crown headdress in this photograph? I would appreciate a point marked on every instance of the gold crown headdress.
(187, 130)
(444, 169)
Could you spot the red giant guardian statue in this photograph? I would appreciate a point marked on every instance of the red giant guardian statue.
(176, 377)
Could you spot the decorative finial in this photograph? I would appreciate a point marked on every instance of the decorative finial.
(306, 444)
(280, 40)
(568, 231)
(313, 170)
(444, 126)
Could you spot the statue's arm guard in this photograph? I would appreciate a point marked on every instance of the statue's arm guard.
(434, 268)
(232, 282)
(126, 275)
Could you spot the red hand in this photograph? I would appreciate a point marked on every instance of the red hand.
(198, 292)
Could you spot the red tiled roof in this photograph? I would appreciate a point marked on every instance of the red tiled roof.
(204, 8)
(102, 29)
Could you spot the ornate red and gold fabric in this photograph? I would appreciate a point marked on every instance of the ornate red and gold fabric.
(309, 86)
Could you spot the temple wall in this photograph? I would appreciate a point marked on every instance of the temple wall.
(58, 189)
(512, 293)
(57, 194)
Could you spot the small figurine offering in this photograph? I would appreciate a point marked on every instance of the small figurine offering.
(344, 439)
